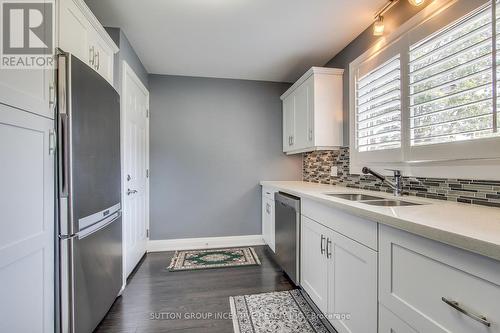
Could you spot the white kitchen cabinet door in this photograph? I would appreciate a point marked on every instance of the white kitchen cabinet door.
(418, 276)
(81, 34)
(313, 113)
(313, 261)
(30, 90)
(73, 31)
(389, 323)
(304, 114)
(268, 222)
(103, 57)
(27, 222)
(289, 123)
(352, 285)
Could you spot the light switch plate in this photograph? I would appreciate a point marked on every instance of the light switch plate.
(334, 171)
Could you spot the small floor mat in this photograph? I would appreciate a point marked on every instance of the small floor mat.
(284, 312)
(213, 258)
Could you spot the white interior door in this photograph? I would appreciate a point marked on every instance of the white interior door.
(135, 148)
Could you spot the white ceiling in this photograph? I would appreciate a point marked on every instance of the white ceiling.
(269, 40)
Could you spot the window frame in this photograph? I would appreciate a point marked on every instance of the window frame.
(463, 159)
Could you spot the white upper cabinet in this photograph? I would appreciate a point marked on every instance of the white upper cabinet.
(80, 33)
(312, 112)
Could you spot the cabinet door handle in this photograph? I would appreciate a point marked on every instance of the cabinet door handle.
(52, 95)
(292, 140)
(98, 57)
(91, 55)
(459, 308)
(328, 248)
(52, 142)
(310, 134)
(268, 208)
(322, 245)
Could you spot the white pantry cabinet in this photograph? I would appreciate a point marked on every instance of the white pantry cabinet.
(312, 112)
(27, 221)
(80, 33)
(27, 143)
(434, 287)
(268, 218)
(340, 276)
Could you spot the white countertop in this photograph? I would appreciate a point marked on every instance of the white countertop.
(470, 227)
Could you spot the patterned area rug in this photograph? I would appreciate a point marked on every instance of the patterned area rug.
(283, 312)
(213, 258)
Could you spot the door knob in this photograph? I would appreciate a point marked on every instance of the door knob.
(129, 191)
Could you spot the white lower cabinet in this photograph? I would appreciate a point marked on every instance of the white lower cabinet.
(268, 222)
(389, 323)
(340, 276)
(434, 287)
(268, 218)
(352, 286)
(313, 262)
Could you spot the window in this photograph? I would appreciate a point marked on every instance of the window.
(378, 107)
(431, 94)
(451, 83)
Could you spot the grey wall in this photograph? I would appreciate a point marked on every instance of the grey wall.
(211, 142)
(126, 53)
(396, 16)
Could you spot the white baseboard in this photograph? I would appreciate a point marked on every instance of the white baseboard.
(204, 243)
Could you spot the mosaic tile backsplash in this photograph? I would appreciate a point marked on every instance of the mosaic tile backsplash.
(317, 168)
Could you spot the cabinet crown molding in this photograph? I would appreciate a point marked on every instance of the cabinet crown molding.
(96, 24)
(312, 71)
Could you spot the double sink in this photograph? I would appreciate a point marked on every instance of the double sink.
(372, 200)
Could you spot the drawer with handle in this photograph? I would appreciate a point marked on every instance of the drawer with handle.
(268, 192)
(435, 287)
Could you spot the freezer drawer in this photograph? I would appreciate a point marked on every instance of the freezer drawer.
(94, 275)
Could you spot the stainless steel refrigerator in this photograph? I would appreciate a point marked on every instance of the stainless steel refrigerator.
(89, 196)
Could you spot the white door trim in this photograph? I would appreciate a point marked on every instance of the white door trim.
(128, 71)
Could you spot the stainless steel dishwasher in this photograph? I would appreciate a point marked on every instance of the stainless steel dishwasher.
(287, 234)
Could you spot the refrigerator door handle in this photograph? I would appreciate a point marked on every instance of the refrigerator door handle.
(63, 156)
(98, 226)
(67, 308)
(63, 129)
(66, 237)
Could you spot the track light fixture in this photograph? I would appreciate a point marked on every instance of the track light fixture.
(416, 2)
(378, 26)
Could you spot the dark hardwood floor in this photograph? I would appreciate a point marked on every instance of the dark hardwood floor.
(153, 291)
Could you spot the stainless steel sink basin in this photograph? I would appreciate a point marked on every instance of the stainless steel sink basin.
(391, 203)
(353, 196)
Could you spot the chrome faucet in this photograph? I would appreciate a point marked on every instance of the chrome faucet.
(397, 185)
